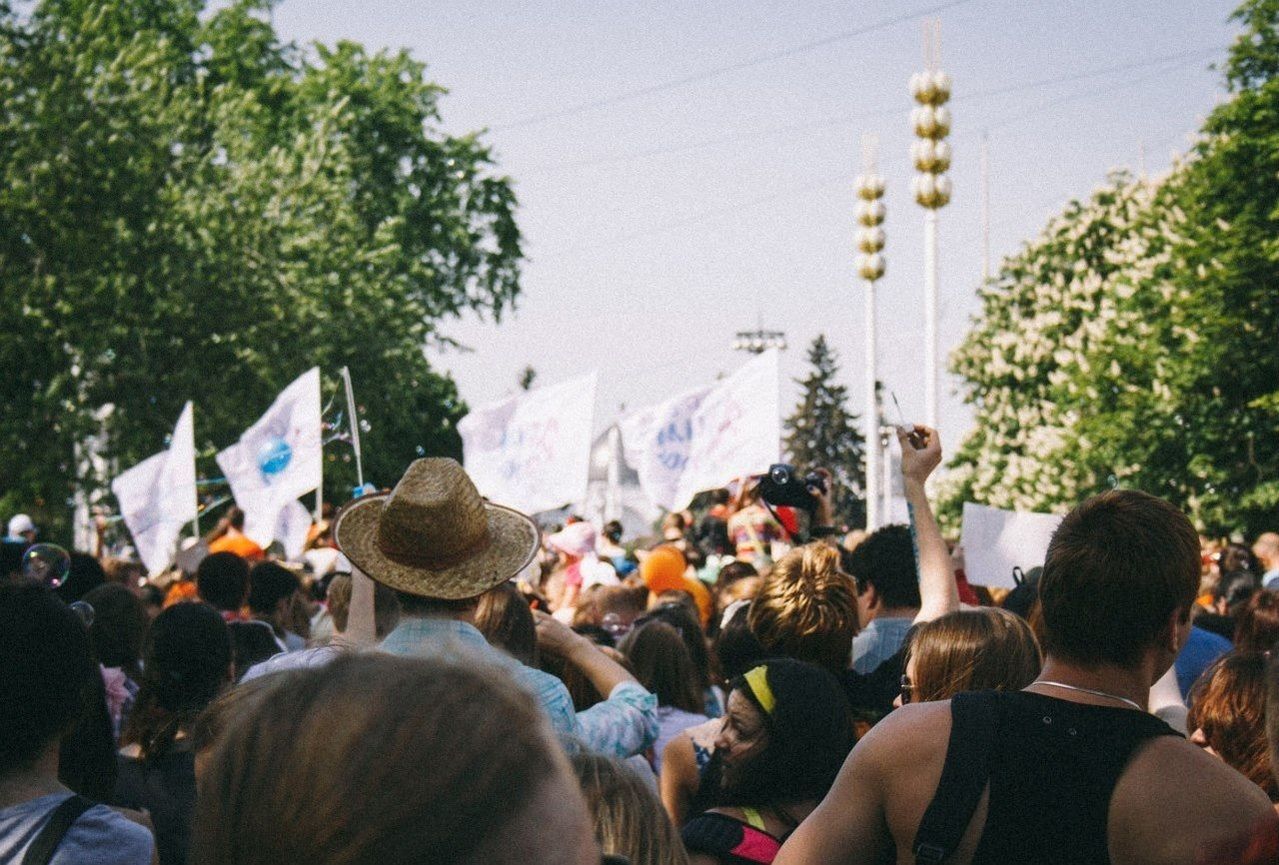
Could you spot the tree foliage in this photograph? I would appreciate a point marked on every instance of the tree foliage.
(823, 432)
(1136, 342)
(192, 209)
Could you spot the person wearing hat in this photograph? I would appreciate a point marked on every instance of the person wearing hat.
(582, 568)
(441, 546)
(22, 530)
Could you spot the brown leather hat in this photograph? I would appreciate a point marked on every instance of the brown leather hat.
(434, 536)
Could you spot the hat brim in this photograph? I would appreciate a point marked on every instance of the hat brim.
(513, 544)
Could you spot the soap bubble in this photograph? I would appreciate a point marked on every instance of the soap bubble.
(421, 451)
(365, 426)
(46, 563)
(274, 457)
(84, 611)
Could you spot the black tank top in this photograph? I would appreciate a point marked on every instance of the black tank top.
(1053, 766)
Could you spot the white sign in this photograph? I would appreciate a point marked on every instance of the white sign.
(703, 439)
(532, 452)
(278, 458)
(157, 496)
(996, 540)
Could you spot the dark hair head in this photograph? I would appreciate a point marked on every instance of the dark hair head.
(733, 572)
(46, 671)
(810, 732)
(119, 625)
(504, 618)
(235, 518)
(222, 579)
(613, 531)
(1257, 623)
(1228, 703)
(1236, 558)
(1118, 566)
(663, 666)
(684, 621)
(985, 649)
(434, 761)
(85, 575)
(270, 583)
(736, 648)
(886, 560)
(188, 654)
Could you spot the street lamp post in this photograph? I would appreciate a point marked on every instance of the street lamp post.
(759, 341)
(870, 267)
(931, 156)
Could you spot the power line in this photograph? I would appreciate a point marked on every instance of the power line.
(717, 71)
(871, 115)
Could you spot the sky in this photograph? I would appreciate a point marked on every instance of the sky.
(685, 170)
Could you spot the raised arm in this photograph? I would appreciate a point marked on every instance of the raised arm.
(921, 454)
(625, 723)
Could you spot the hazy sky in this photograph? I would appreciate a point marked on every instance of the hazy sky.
(656, 225)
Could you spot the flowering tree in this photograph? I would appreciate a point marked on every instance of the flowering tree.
(1136, 341)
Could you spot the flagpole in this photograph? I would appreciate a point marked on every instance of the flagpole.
(354, 424)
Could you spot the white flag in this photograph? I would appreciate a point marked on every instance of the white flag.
(657, 440)
(532, 452)
(703, 439)
(157, 496)
(278, 458)
(291, 529)
(996, 540)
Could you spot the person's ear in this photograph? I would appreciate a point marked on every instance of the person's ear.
(1178, 630)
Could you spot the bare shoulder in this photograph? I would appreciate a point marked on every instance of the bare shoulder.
(907, 734)
(1175, 803)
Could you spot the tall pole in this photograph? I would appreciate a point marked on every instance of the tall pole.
(931, 155)
(870, 266)
(932, 372)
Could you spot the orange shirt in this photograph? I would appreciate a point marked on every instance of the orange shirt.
(238, 543)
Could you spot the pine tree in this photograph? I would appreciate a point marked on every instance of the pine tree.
(823, 432)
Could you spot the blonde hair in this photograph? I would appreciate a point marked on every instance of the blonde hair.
(986, 649)
(628, 817)
(806, 608)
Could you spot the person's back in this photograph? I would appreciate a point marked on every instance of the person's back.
(1073, 769)
(46, 667)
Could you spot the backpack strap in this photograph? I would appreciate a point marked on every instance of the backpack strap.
(974, 723)
(46, 843)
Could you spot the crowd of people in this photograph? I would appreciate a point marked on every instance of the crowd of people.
(442, 680)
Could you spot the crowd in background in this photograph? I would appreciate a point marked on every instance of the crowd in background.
(439, 679)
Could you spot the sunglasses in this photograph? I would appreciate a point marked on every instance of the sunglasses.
(907, 688)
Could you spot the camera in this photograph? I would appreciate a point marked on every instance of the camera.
(783, 486)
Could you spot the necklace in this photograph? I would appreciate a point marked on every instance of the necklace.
(1132, 703)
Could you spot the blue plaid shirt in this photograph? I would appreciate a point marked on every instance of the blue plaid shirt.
(623, 725)
(879, 641)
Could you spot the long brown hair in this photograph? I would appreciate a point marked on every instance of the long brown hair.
(1257, 623)
(374, 759)
(987, 649)
(628, 817)
(1228, 702)
(664, 666)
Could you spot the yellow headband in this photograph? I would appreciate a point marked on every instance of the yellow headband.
(757, 681)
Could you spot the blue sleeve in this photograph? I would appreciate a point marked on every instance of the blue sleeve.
(623, 725)
(103, 837)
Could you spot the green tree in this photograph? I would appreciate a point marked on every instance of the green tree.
(1137, 342)
(823, 432)
(191, 209)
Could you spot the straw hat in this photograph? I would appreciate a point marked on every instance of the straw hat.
(434, 536)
